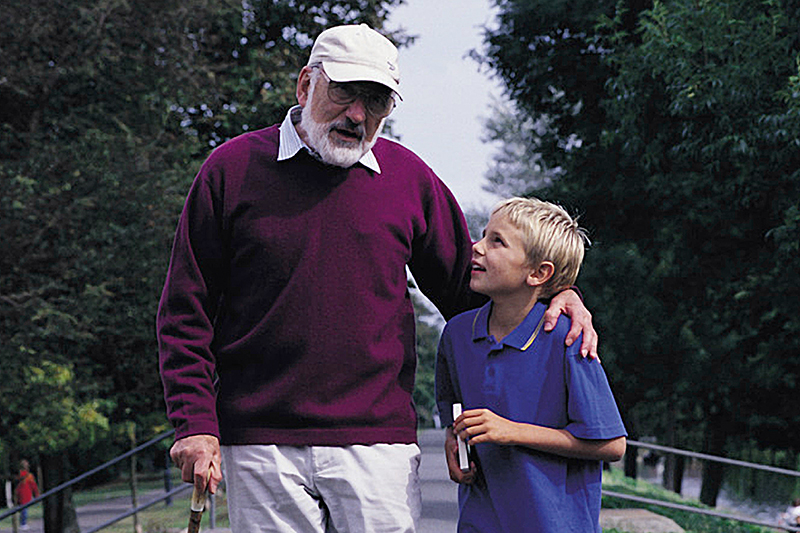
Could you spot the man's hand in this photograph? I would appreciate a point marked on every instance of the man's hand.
(483, 425)
(569, 303)
(199, 460)
(451, 453)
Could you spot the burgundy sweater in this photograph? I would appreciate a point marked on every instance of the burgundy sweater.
(285, 316)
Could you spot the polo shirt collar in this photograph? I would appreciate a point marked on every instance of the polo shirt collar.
(523, 335)
(290, 143)
(480, 324)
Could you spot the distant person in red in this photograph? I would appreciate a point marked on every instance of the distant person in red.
(26, 490)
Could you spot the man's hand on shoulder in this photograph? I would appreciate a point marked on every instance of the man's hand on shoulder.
(199, 460)
(569, 303)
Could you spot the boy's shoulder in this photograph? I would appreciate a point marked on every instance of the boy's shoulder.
(558, 336)
(563, 326)
(553, 341)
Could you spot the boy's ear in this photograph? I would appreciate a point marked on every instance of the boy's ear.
(540, 275)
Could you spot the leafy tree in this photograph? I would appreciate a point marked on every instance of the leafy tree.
(673, 130)
(54, 417)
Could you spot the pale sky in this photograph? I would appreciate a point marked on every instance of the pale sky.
(446, 97)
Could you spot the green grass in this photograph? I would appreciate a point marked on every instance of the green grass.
(162, 519)
(122, 488)
(158, 518)
(614, 480)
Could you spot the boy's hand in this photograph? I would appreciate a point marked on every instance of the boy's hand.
(569, 303)
(451, 453)
(482, 425)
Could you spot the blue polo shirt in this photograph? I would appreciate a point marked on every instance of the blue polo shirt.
(529, 377)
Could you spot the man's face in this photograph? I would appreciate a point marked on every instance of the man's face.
(341, 133)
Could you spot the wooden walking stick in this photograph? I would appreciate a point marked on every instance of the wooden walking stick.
(198, 505)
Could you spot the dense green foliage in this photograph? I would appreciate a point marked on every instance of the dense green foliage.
(107, 109)
(672, 128)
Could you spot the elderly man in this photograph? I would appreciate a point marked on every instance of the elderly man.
(286, 331)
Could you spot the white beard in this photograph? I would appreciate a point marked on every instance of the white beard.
(328, 149)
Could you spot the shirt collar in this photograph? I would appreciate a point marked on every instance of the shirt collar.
(290, 143)
(523, 335)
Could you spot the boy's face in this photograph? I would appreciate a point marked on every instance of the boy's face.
(499, 263)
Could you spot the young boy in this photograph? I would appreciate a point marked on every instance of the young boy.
(539, 417)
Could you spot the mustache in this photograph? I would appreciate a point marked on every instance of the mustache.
(348, 126)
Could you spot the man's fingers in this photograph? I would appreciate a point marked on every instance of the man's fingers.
(216, 479)
(574, 333)
(590, 338)
(176, 457)
(187, 473)
(589, 343)
(551, 317)
(201, 478)
(206, 478)
(198, 458)
(591, 349)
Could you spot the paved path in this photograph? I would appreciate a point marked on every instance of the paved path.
(439, 494)
(439, 498)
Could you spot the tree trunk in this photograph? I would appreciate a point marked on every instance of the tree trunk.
(713, 472)
(59, 510)
(630, 464)
(631, 453)
(672, 478)
(673, 472)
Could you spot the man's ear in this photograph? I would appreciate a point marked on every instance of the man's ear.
(541, 274)
(303, 86)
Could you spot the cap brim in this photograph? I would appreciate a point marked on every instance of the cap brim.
(345, 72)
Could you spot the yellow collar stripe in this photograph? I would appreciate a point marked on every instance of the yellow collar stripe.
(535, 333)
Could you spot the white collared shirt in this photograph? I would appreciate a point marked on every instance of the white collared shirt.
(290, 143)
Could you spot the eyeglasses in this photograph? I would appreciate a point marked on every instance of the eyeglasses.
(377, 103)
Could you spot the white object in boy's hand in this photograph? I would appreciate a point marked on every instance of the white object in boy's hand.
(463, 448)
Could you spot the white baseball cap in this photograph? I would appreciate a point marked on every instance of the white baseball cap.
(357, 53)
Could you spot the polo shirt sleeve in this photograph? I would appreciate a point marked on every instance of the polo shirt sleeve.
(591, 409)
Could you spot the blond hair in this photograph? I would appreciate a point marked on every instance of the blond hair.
(549, 234)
